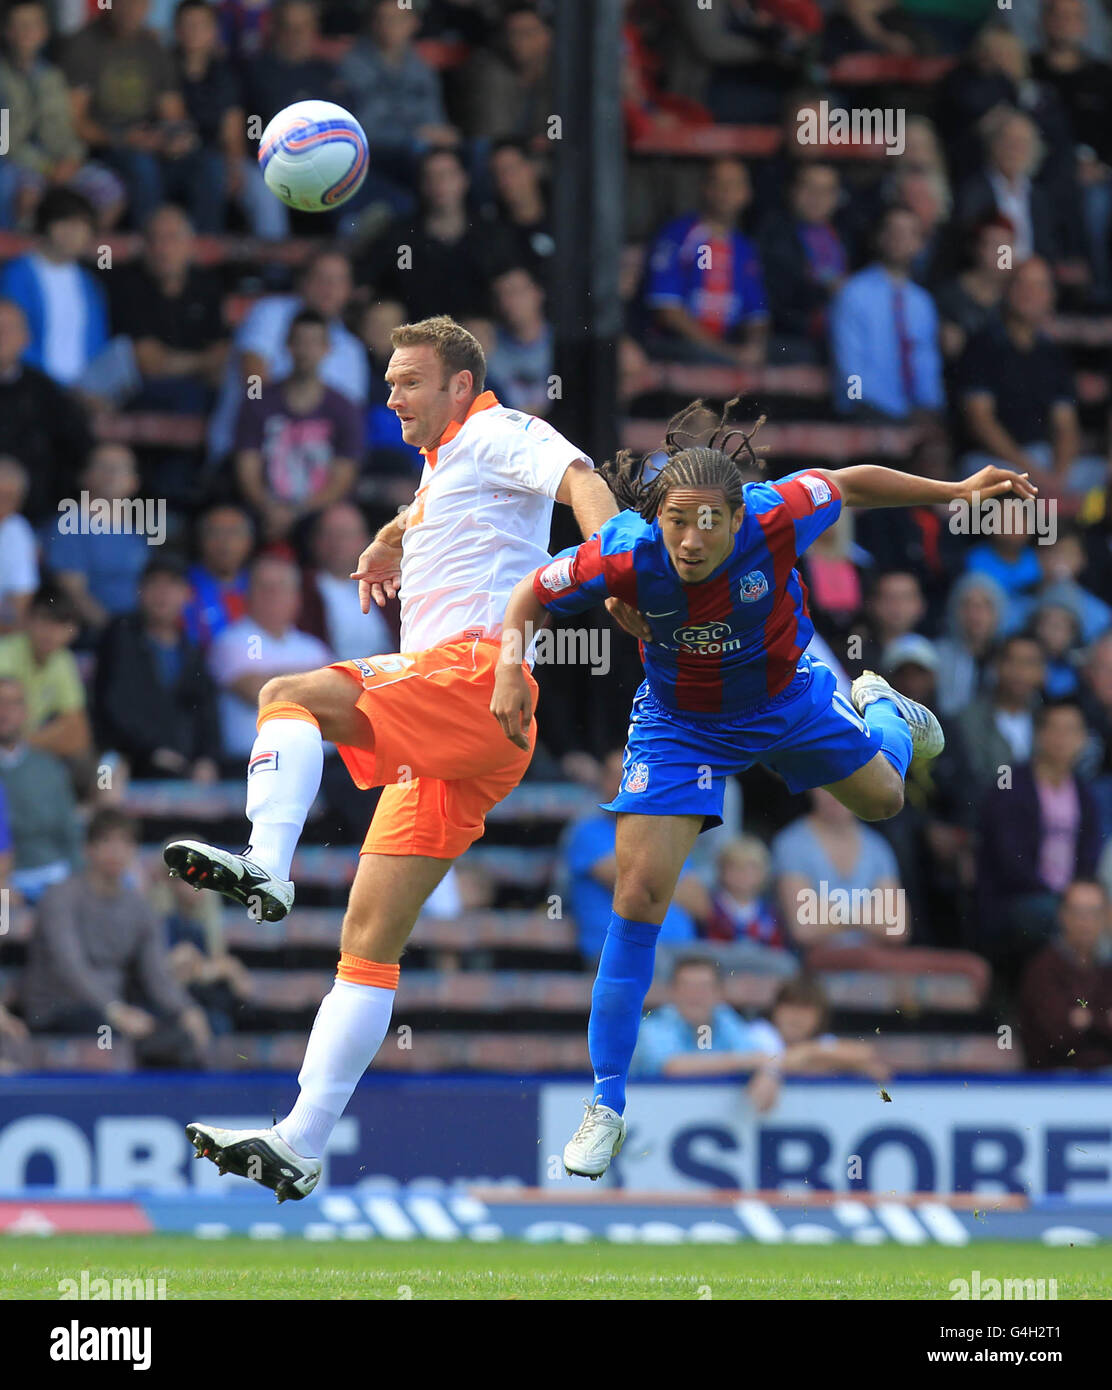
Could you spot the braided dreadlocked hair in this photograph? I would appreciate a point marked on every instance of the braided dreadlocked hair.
(709, 462)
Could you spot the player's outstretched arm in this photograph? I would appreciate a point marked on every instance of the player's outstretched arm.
(867, 485)
(512, 701)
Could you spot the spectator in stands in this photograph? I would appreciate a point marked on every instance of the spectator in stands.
(992, 77)
(929, 836)
(927, 195)
(383, 433)
(1017, 393)
(40, 659)
(43, 149)
(128, 109)
(884, 332)
(395, 96)
(1060, 565)
(62, 302)
(213, 102)
(196, 953)
(284, 71)
(1055, 626)
(1095, 697)
(837, 884)
(743, 912)
(260, 349)
(298, 444)
(330, 607)
(287, 69)
(589, 861)
(507, 85)
(1008, 186)
(169, 344)
(146, 663)
(805, 261)
(40, 424)
(38, 793)
(799, 1044)
(14, 1039)
(100, 570)
(871, 26)
(971, 301)
(521, 207)
(894, 607)
(218, 579)
(1083, 84)
(442, 262)
(1039, 830)
(696, 1033)
(95, 936)
(523, 357)
(19, 566)
(263, 643)
(833, 582)
(974, 622)
(741, 58)
(705, 285)
(997, 729)
(1010, 559)
(1065, 998)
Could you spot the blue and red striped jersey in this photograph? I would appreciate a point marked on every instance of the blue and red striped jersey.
(730, 642)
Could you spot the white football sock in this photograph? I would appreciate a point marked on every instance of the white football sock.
(350, 1026)
(283, 778)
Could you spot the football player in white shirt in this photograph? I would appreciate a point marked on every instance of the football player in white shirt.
(416, 723)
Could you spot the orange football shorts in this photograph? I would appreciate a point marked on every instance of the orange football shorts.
(439, 754)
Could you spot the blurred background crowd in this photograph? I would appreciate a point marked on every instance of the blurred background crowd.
(204, 369)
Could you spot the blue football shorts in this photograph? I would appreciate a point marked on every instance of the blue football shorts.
(676, 763)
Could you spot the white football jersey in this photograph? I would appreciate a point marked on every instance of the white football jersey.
(480, 521)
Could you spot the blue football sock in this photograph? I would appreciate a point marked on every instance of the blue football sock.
(625, 972)
(884, 718)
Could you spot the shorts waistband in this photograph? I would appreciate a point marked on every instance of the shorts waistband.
(794, 687)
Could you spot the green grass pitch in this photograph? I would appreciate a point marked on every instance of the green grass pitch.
(31, 1267)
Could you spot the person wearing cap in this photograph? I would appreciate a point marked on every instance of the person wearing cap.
(974, 621)
(154, 700)
(931, 844)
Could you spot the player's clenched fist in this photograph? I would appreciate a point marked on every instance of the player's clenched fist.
(512, 704)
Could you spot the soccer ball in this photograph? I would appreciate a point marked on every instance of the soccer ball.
(313, 155)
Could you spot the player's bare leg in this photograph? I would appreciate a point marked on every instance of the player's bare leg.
(296, 715)
(873, 792)
(907, 729)
(650, 853)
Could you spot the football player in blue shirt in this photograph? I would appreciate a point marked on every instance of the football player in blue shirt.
(702, 566)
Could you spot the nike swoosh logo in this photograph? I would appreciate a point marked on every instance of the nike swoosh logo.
(671, 613)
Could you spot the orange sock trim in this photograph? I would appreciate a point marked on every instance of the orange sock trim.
(357, 971)
(285, 709)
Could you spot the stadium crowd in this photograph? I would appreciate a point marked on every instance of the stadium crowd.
(177, 349)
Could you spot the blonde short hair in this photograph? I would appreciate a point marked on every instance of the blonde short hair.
(458, 350)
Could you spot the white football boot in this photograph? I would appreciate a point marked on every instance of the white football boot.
(259, 1154)
(927, 738)
(267, 899)
(598, 1139)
